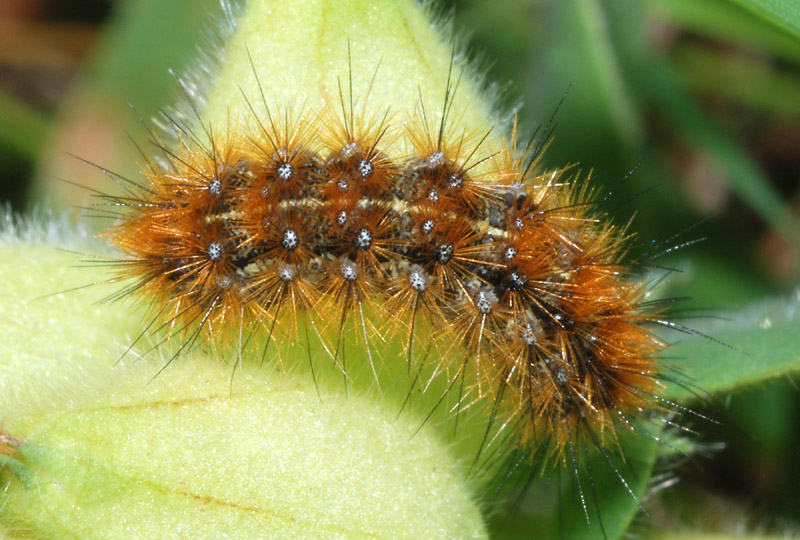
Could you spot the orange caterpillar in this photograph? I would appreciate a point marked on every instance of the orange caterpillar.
(510, 273)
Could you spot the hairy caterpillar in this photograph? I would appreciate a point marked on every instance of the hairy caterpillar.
(361, 226)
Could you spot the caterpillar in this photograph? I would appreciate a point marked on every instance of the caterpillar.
(363, 226)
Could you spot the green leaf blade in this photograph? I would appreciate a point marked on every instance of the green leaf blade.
(752, 346)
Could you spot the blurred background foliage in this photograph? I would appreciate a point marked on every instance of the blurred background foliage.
(699, 99)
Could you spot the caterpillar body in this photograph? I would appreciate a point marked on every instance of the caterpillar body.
(326, 220)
